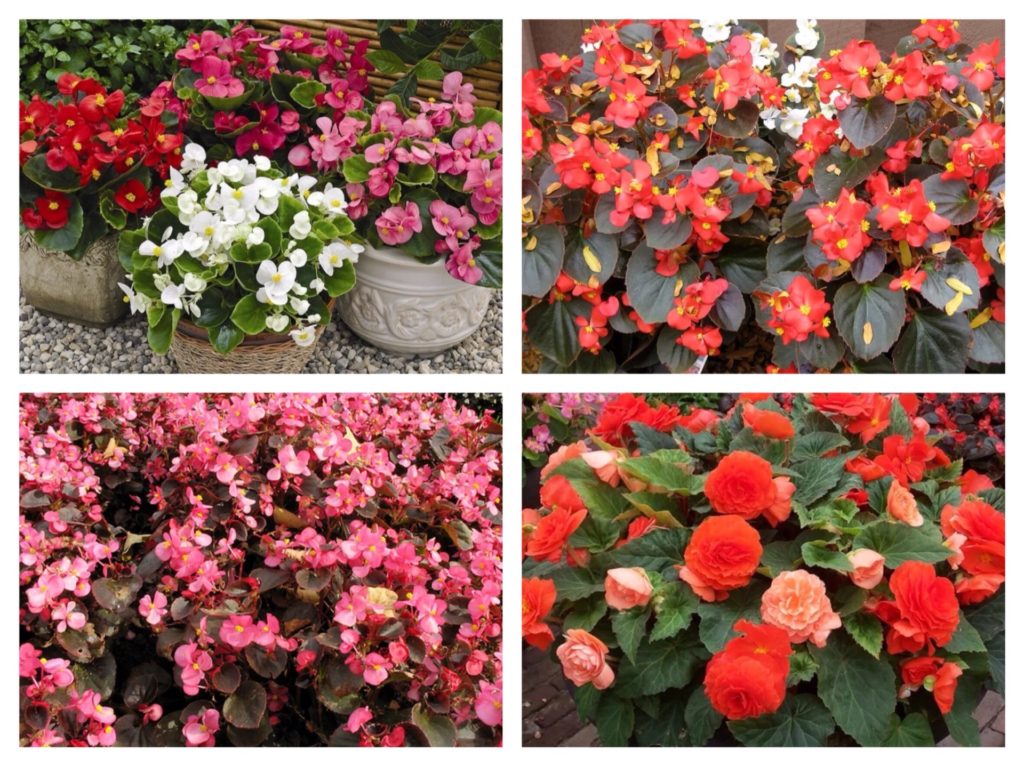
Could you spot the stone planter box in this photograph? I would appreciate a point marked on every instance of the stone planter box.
(82, 291)
(401, 305)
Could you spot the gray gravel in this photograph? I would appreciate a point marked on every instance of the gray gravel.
(50, 345)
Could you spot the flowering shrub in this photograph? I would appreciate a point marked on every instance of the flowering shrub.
(242, 249)
(88, 167)
(425, 179)
(259, 569)
(683, 179)
(806, 573)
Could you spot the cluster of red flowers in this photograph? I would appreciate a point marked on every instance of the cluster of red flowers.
(693, 306)
(748, 677)
(84, 132)
(840, 227)
(798, 312)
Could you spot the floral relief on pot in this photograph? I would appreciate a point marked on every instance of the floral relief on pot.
(84, 291)
(407, 307)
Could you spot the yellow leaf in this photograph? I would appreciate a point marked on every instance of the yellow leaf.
(593, 262)
(954, 303)
(652, 160)
(531, 244)
(869, 333)
(554, 186)
(288, 519)
(905, 257)
(111, 448)
(941, 247)
(981, 318)
(958, 286)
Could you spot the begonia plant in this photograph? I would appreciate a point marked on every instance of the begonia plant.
(805, 570)
(688, 185)
(240, 248)
(90, 163)
(259, 569)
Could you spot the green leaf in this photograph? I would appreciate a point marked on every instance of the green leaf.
(603, 501)
(963, 727)
(866, 121)
(271, 235)
(702, 721)
(587, 699)
(933, 343)
(615, 719)
(552, 329)
(600, 250)
(572, 583)
(675, 607)
(801, 721)
(859, 690)
(663, 469)
(304, 94)
(657, 506)
(661, 236)
(224, 338)
(386, 62)
(37, 171)
(488, 40)
(586, 613)
(911, 732)
(417, 175)
(938, 292)
(112, 213)
(815, 478)
(989, 617)
(246, 706)
(654, 551)
(249, 315)
(952, 199)
(438, 729)
(341, 281)
(996, 647)
(629, 627)
(815, 444)
(780, 556)
(356, 170)
(428, 70)
(837, 170)
(900, 543)
(65, 238)
(660, 666)
(802, 668)
(160, 332)
(651, 294)
(542, 265)
(965, 639)
(869, 316)
(818, 554)
(866, 631)
(718, 618)
(743, 262)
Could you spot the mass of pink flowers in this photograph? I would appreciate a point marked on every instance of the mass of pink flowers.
(259, 569)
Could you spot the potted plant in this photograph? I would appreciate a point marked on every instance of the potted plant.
(238, 271)
(686, 182)
(799, 570)
(88, 169)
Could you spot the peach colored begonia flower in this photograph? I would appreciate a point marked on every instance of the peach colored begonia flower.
(797, 602)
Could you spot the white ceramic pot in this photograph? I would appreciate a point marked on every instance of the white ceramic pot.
(404, 306)
(83, 291)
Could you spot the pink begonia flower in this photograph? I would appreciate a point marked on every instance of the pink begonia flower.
(449, 221)
(267, 632)
(199, 46)
(28, 660)
(216, 80)
(398, 224)
(89, 707)
(45, 738)
(462, 265)
(47, 589)
(226, 467)
(488, 138)
(475, 662)
(194, 664)
(340, 96)
(200, 731)
(153, 608)
(101, 735)
(386, 118)
(67, 617)
(290, 462)
(375, 669)
(237, 631)
(382, 178)
(337, 43)
(151, 713)
(297, 39)
(358, 718)
(488, 704)
(460, 95)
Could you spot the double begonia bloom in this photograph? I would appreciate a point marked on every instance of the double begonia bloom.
(767, 423)
(549, 537)
(722, 555)
(747, 678)
(584, 660)
(627, 587)
(398, 224)
(868, 568)
(924, 611)
(742, 485)
(538, 598)
(797, 602)
(901, 505)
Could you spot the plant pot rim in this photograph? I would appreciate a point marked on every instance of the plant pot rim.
(394, 256)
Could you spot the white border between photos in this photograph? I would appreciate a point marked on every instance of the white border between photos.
(511, 383)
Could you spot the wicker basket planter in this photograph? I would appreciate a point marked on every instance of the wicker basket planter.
(83, 291)
(407, 307)
(263, 353)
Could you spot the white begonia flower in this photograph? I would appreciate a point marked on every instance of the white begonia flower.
(233, 170)
(268, 194)
(317, 285)
(195, 244)
(137, 302)
(256, 236)
(828, 109)
(794, 96)
(298, 257)
(335, 254)
(204, 224)
(333, 201)
(277, 281)
(313, 319)
(299, 305)
(792, 122)
(261, 162)
(193, 159)
(807, 34)
(194, 283)
(715, 31)
(174, 185)
(192, 306)
(800, 74)
(588, 47)
(165, 252)
(171, 295)
(303, 336)
(298, 289)
(301, 227)
(770, 117)
(305, 184)
(278, 322)
(161, 280)
(763, 51)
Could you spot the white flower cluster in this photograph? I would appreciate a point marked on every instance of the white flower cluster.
(241, 194)
(799, 82)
